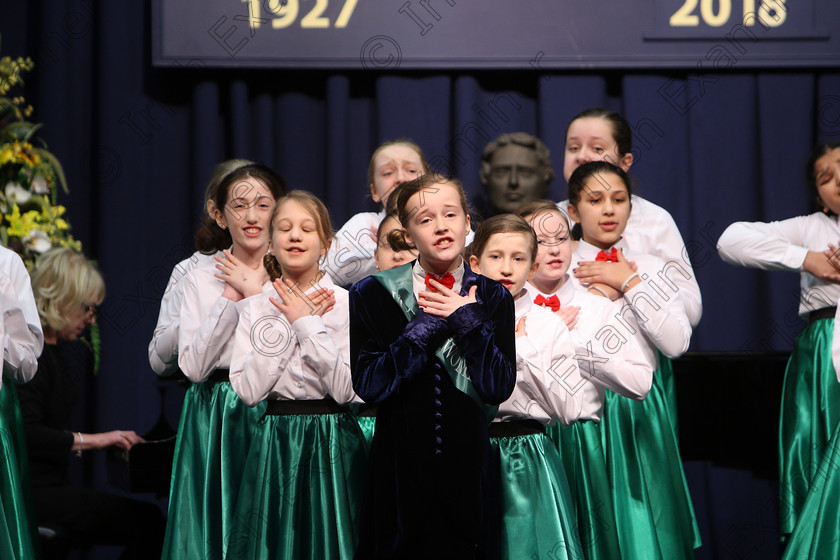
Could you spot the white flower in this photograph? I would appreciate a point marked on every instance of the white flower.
(37, 241)
(16, 193)
(39, 184)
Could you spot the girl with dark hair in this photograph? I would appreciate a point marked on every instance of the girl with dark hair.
(654, 513)
(432, 345)
(163, 348)
(598, 134)
(811, 394)
(215, 428)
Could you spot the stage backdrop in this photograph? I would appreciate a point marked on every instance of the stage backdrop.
(139, 142)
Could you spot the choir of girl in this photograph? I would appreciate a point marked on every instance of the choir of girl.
(496, 381)
(523, 398)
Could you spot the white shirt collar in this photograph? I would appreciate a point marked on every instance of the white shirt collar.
(588, 252)
(419, 276)
(566, 293)
(522, 305)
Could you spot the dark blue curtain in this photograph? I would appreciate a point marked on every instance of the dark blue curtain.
(139, 143)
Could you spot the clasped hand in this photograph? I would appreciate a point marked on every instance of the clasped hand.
(607, 276)
(444, 301)
(241, 281)
(294, 303)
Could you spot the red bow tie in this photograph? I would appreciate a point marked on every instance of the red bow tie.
(612, 256)
(447, 280)
(553, 302)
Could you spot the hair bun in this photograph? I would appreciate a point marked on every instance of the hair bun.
(397, 240)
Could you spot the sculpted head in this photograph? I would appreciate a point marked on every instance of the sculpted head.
(515, 169)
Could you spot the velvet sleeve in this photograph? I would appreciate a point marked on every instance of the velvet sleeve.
(384, 351)
(484, 332)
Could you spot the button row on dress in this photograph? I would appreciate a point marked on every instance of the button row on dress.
(438, 418)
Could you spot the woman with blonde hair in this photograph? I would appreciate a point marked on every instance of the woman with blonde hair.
(67, 289)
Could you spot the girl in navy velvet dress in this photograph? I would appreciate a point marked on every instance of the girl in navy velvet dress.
(432, 345)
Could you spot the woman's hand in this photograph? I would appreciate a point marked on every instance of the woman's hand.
(121, 439)
(241, 281)
(444, 301)
(294, 304)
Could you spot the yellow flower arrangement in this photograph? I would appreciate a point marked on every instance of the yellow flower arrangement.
(30, 219)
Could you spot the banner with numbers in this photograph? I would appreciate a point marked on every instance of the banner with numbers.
(531, 34)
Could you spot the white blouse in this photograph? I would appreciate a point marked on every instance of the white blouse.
(163, 348)
(783, 246)
(652, 310)
(652, 231)
(207, 323)
(305, 360)
(20, 329)
(549, 385)
(350, 257)
(607, 354)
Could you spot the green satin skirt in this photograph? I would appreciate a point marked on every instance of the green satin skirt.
(18, 524)
(301, 492)
(537, 508)
(214, 437)
(815, 536)
(368, 426)
(582, 452)
(666, 376)
(810, 411)
(654, 514)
